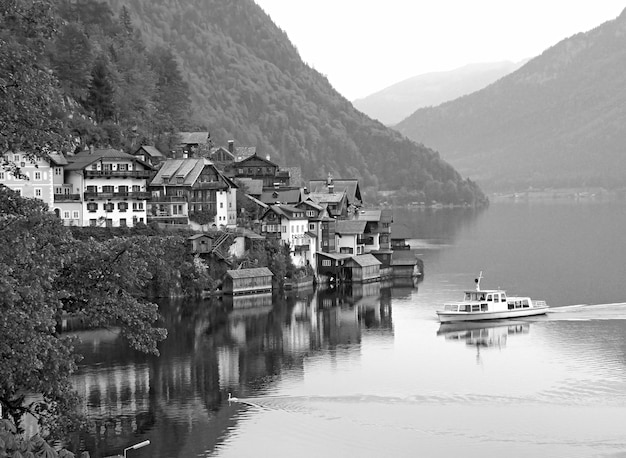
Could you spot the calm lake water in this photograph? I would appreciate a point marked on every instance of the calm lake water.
(369, 371)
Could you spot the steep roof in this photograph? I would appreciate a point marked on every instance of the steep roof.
(250, 273)
(255, 187)
(151, 150)
(254, 156)
(368, 215)
(327, 197)
(244, 152)
(283, 196)
(350, 226)
(286, 211)
(187, 169)
(350, 186)
(58, 158)
(85, 158)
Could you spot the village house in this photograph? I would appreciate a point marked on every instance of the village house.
(259, 168)
(149, 155)
(349, 237)
(193, 144)
(349, 186)
(111, 188)
(290, 225)
(247, 281)
(184, 189)
(362, 268)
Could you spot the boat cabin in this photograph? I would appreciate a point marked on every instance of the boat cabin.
(485, 301)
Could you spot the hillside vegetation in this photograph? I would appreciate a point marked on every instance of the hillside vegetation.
(248, 83)
(558, 121)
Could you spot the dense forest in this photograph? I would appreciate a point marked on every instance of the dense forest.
(558, 121)
(115, 74)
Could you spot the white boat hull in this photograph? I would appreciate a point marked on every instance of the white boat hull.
(450, 317)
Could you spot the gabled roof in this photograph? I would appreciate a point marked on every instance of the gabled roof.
(286, 211)
(400, 231)
(151, 150)
(335, 256)
(351, 186)
(215, 149)
(311, 204)
(199, 236)
(366, 260)
(350, 227)
(57, 158)
(250, 273)
(283, 196)
(187, 169)
(244, 152)
(85, 158)
(255, 157)
(327, 197)
(192, 138)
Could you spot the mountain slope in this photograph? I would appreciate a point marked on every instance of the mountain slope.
(248, 83)
(557, 121)
(394, 103)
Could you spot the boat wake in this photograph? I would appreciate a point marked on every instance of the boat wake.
(586, 312)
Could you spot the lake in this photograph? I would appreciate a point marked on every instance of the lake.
(368, 371)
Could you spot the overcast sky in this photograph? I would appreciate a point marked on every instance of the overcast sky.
(363, 46)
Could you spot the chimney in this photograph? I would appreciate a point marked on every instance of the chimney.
(231, 146)
(90, 149)
(267, 157)
(331, 188)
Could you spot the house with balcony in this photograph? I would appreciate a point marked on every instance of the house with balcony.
(259, 168)
(106, 186)
(193, 189)
(149, 154)
(290, 225)
(349, 237)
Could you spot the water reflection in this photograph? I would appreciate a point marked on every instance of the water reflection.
(240, 345)
(483, 335)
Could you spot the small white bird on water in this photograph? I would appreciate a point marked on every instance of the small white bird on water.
(231, 399)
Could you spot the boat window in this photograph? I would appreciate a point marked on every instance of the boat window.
(525, 303)
(450, 307)
(489, 297)
(483, 307)
(518, 305)
(475, 307)
(511, 305)
(496, 298)
(482, 297)
(468, 296)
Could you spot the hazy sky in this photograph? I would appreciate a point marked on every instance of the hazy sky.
(363, 46)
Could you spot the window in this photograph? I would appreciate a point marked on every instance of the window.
(38, 176)
(311, 227)
(489, 297)
(37, 192)
(75, 215)
(122, 206)
(94, 166)
(92, 222)
(123, 222)
(122, 167)
(122, 189)
(136, 188)
(326, 262)
(1, 176)
(284, 229)
(16, 158)
(109, 223)
(137, 206)
(483, 307)
(58, 171)
(107, 167)
(108, 188)
(92, 207)
(109, 207)
(475, 307)
(221, 204)
(92, 189)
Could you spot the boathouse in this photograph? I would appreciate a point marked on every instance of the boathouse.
(362, 268)
(247, 281)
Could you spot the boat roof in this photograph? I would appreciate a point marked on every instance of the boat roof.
(485, 291)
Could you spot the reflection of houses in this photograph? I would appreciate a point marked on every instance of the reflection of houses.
(246, 281)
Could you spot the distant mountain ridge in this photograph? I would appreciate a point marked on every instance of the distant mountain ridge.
(394, 103)
(558, 121)
(248, 83)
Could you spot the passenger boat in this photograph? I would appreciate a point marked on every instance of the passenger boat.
(490, 304)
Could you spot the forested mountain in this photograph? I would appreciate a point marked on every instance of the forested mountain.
(558, 121)
(75, 73)
(394, 103)
(248, 83)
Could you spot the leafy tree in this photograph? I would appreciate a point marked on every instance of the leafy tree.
(31, 116)
(55, 274)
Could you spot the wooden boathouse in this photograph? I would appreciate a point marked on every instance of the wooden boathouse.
(247, 281)
(362, 268)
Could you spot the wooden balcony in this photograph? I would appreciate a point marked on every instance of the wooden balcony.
(137, 195)
(118, 174)
(67, 197)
